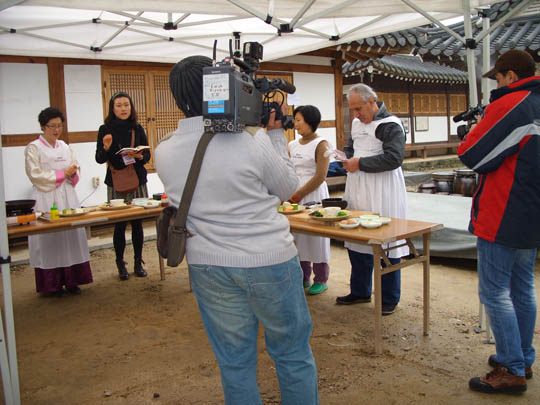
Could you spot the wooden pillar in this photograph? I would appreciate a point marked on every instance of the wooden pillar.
(338, 94)
(57, 90)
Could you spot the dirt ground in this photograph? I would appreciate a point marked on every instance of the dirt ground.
(142, 341)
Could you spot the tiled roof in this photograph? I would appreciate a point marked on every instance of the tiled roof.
(407, 67)
(435, 44)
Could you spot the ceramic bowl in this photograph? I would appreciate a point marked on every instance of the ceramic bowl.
(371, 223)
(332, 210)
(385, 220)
(350, 223)
(117, 201)
(369, 217)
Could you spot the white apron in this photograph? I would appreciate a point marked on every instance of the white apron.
(313, 249)
(59, 249)
(384, 192)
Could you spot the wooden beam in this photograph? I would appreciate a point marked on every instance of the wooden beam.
(296, 67)
(329, 52)
(327, 124)
(338, 96)
(24, 139)
(57, 97)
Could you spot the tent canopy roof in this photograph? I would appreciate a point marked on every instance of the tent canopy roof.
(169, 30)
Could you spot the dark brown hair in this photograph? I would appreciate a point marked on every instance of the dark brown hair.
(111, 116)
(48, 114)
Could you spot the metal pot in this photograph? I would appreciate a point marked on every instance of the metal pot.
(19, 206)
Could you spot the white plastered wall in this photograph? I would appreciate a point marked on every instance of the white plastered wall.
(24, 93)
(317, 89)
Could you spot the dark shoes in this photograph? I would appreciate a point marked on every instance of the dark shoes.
(495, 364)
(499, 380)
(138, 269)
(74, 290)
(122, 271)
(352, 299)
(388, 309)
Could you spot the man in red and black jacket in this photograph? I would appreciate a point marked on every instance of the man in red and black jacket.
(504, 148)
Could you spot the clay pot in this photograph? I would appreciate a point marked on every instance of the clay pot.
(443, 181)
(427, 188)
(465, 182)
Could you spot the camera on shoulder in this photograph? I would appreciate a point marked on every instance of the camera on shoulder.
(233, 98)
(470, 115)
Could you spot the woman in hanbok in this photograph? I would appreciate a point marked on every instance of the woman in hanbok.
(310, 157)
(61, 258)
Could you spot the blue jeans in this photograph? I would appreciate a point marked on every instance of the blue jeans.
(506, 288)
(362, 277)
(232, 301)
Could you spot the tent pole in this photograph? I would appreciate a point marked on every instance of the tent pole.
(470, 44)
(11, 394)
(486, 60)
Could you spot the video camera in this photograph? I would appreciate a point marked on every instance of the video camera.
(233, 97)
(468, 115)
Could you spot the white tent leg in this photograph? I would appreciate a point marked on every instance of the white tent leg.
(12, 393)
(473, 93)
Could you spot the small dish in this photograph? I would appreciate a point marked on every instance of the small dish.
(149, 204)
(385, 220)
(368, 217)
(371, 223)
(117, 201)
(350, 223)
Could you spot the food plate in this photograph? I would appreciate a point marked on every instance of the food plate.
(114, 207)
(355, 222)
(331, 219)
(371, 223)
(75, 214)
(148, 204)
(300, 209)
(385, 220)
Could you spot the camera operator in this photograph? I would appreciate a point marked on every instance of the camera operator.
(504, 148)
(242, 259)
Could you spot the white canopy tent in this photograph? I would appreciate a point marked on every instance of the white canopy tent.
(169, 30)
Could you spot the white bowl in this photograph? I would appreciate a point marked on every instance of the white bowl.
(150, 204)
(368, 217)
(140, 201)
(117, 201)
(371, 223)
(385, 220)
(332, 210)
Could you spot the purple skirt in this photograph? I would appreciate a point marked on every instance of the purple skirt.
(51, 280)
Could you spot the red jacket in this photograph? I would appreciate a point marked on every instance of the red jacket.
(504, 148)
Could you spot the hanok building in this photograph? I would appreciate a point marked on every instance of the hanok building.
(422, 77)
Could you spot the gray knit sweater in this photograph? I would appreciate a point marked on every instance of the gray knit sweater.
(233, 213)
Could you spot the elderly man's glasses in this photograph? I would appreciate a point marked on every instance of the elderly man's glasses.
(54, 126)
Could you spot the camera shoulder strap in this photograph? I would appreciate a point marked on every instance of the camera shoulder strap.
(191, 182)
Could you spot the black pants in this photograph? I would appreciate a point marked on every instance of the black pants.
(137, 238)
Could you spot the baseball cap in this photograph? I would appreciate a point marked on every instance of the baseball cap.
(515, 59)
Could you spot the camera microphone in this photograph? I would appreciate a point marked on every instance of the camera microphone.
(283, 85)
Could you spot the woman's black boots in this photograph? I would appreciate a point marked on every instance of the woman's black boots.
(122, 271)
(138, 268)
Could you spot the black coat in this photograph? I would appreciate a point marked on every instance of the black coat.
(121, 133)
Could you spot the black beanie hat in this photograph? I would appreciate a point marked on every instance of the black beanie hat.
(186, 85)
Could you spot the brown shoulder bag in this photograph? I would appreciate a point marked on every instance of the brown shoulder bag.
(125, 180)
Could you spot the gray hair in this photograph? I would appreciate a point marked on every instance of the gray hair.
(363, 91)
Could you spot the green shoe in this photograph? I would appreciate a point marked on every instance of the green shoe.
(307, 284)
(317, 288)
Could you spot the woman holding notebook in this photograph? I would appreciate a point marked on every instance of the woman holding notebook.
(121, 130)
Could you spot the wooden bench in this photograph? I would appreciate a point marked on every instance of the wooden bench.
(423, 148)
